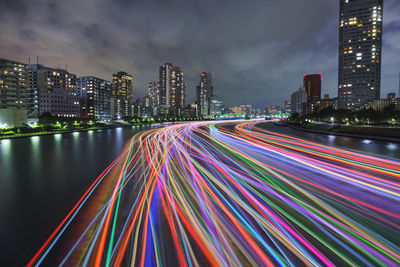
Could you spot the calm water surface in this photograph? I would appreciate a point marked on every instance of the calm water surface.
(41, 178)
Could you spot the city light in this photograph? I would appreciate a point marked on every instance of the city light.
(209, 185)
(227, 146)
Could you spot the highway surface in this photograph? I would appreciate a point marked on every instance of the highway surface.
(232, 193)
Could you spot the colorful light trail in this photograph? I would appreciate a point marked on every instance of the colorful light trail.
(230, 193)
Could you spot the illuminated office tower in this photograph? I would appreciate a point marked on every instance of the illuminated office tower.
(14, 93)
(153, 91)
(121, 95)
(95, 94)
(360, 51)
(172, 90)
(204, 93)
(57, 91)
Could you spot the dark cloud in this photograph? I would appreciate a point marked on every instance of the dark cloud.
(257, 51)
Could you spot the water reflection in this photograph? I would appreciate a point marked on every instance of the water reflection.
(57, 146)
(75, 145)
(118, 133)
(5, 148)
(6, 160)
(35, 152)
(392, 146)
(42, 177)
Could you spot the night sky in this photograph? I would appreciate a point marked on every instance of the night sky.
(257, 51)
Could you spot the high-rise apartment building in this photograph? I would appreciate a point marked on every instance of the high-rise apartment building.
(216, 106)
(178, 92)
(172, 90)
(191, 111)
(95, 94)
(204, 92)
(14, 93)
(122, 91)
(312, 85)
(56, 91)
(360, 52)
(122, 85)
(165, 85)
(297, 99)
(153, 91)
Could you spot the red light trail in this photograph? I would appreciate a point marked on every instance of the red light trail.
(232, 193)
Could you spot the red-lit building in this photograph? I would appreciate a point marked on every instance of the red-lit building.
(312, 85)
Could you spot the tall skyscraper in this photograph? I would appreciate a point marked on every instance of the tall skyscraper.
(204, 92)
(178, 92)
(153, 91)
(360, 50)
(14, 93)
(312, 85)
(122, 100)
(95, 94)
(172, 90)
(165, 85)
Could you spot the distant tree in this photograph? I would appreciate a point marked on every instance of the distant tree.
(46, 118)
(294, 117)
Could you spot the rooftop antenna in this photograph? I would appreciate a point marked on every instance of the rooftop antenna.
(66, 67)
(37, 60)
(29, 60)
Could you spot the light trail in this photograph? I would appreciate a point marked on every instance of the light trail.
(231, 194)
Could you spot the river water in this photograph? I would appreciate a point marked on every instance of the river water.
(41, 178)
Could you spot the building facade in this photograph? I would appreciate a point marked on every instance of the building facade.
(326, 102)
(153, 91)
(191, 111)
(298, 98)
(380, 104)
(172, 90)
(312, 86)
(288, 107)
(95, 94)
(272, 110)
(15, 100)
(360, 52)
(56, 91)
(122, 92)
(216, 106)
(204, 92)
(178, 92)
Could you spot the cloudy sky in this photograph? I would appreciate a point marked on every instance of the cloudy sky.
(257, 51)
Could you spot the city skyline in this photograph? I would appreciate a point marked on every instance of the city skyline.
(260, 60)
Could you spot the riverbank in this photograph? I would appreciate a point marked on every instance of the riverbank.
(391, 134)
(16, 135)
(43, 133)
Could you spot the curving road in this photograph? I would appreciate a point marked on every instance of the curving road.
(232, 194)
